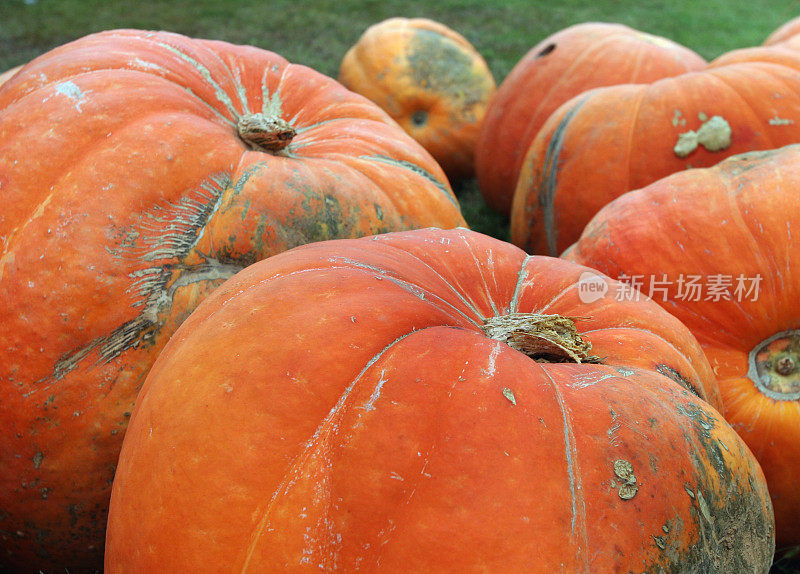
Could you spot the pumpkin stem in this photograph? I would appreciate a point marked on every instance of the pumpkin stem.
(265, 133)
(774, 366)
(544, 338)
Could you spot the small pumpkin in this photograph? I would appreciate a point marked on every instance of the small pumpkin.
(731, 232)
(561, 66)
(423, 402)
(430, 79)
(611, 140)
(138, 171)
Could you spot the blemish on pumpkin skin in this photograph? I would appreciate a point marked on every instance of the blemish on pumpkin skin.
(164, 236)
(439, 66)
(73, 92)
(509, 394)
(627, 480)
(714, 135)
(776, 121)
(676, 376)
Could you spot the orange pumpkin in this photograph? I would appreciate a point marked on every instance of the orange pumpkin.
(730, 230)
(611, 140)
(138, 171)
(430, 79)
(561, 66)
(422, 402)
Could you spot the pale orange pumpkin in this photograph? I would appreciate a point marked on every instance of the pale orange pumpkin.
(430, 79)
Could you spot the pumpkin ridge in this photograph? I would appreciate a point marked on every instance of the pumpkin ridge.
(183, 89)
(521, 275)
(547, 184)
(756, 249)
(659, 337)
(271, 103)
(556, 298)
(463, 295)
(211, 49)
(324, 426)
(131, 333)
(575, 63)
(414, 168)
(734, 199)
(85, 152)
(456, 291)
(479, 268)
(780, 78)
(701, 441)
(631, 133)
(221, 95)
(574, 473)
(720, 78)
(417, 290)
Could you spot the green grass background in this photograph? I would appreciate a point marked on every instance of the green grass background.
(318, 33)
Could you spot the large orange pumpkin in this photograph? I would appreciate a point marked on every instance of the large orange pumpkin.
(430, 79)
(411, 403)
(561, 66)
(138, 171)
(731, 231)
(611, 140)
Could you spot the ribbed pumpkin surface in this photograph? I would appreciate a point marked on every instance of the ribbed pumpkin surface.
(611, 140)
(564, 65)
(340, 407)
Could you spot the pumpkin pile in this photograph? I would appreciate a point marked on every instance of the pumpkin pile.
(246, 327)
(163, 165)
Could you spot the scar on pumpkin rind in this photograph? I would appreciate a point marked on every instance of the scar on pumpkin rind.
(713, 135)
(164, 233)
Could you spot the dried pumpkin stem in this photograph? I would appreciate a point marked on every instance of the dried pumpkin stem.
(265, 133)
(544, 338)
